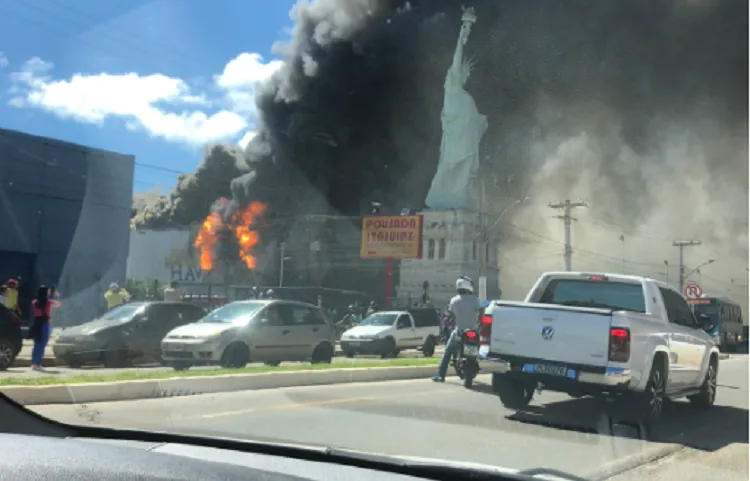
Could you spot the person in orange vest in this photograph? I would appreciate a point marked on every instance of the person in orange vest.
(11, 296)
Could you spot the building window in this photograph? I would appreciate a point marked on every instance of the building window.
(486, 252)
(473, 251)
(431, 249)
(441, 249)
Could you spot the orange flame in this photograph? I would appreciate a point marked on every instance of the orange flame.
(241, 225)
(247, 238)
(207, 238)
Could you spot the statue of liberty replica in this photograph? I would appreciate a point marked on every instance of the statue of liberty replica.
(462, 130)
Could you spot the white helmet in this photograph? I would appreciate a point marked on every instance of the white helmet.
(464, 283)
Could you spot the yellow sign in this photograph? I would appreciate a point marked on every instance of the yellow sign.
(396, 237)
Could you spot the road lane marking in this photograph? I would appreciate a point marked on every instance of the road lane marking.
(309, 404)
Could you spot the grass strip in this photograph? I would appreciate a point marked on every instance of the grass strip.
(166, 373)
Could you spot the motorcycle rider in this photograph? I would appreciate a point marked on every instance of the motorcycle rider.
(464, 308)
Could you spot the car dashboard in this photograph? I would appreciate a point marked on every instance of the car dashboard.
(88, 459)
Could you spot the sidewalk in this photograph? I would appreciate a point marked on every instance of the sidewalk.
(24, 357)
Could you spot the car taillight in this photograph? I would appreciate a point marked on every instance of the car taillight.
(15, 320)
(619, 344)
(485, 330)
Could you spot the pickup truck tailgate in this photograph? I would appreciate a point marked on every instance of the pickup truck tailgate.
(571, 335)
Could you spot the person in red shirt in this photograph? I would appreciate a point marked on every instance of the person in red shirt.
(41, 326)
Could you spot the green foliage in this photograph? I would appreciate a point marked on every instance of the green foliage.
(151, 290)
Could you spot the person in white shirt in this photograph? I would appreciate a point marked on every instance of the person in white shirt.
(464, 309)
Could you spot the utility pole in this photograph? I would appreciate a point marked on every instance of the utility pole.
(282, 257)
(682, 245)
(567, 208)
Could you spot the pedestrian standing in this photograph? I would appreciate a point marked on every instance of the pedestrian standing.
(116, 296)
(41, 327)
(11, 296)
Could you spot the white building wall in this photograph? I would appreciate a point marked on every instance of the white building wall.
(460, 230)
(166, 255)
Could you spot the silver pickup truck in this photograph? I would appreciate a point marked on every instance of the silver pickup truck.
(624, 337)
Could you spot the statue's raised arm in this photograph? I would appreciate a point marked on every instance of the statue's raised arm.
(468, 19)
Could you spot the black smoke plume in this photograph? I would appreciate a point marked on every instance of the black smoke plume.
(638, 106)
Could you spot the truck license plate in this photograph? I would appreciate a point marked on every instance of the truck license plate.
(471, 350)
(550, 370)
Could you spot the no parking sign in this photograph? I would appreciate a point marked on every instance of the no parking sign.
(693, 291)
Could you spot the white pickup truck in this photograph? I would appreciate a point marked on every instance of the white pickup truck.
(624, 337)
(389, 332)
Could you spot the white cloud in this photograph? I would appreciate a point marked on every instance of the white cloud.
(246, 139)
(164, 107)
(3, 60)
(242, 76)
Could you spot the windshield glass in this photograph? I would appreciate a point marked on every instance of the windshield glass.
(712, 311)
(234, 313)
(296, 168)
(379, 320)
(124, 313)
(603, 294)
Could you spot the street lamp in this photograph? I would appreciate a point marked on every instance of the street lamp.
(484, 234)
(710, 261)
(282, 258)
(506, 210)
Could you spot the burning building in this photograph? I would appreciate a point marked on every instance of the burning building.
(634, 106)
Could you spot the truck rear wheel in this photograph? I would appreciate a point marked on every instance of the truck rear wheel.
(514, 394)
(707, 395)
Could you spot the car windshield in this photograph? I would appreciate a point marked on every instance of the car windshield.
(310, 172)
(378, 320)
(589, 293)
(124, 313)
(234, 313)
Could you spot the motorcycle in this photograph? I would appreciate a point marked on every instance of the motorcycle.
(464, 359)
(469, 350)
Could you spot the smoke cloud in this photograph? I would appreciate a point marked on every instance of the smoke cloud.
(638, 107)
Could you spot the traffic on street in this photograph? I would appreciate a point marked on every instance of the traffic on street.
(500, 240)
(429, 420)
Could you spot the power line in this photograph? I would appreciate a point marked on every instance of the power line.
(567, 207)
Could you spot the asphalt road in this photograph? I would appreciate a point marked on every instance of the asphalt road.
(421, 418)
(64, 371)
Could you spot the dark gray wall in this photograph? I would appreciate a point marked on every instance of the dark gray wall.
(64, 218)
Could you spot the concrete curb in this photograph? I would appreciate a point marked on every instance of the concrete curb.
(633, 461)
(187, 386)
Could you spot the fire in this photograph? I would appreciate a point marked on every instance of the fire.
(241, 224)
(206, 240)
(247, 238)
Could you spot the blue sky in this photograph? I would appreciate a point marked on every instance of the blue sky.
(153, 78)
